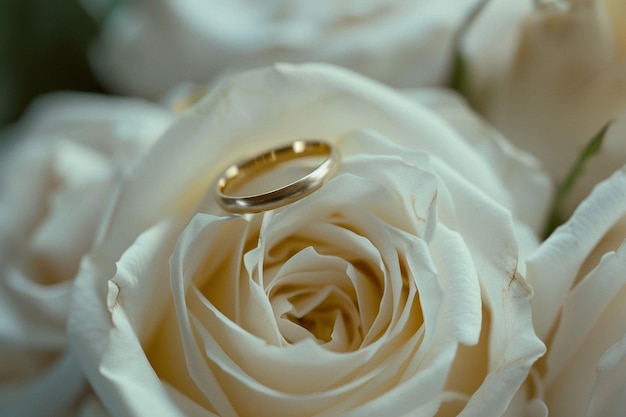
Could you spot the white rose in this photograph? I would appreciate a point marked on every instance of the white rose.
(59, 174)
(562, 79)
(397, 288)
(149, 47)
(579, 279)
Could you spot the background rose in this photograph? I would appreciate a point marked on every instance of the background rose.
(149, 47)
(551, 79)
(579, 278)
(407, 214)
(59, 175)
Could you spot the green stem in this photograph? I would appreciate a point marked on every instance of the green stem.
(563, 190)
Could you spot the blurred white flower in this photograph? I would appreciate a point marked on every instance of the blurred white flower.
(551, 79)
(59, 176)
(579, 278)
(150, 46)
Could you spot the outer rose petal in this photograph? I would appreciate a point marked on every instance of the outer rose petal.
(607, 397)
(580, 307)
(564, 252)
(585, 369)
(497, 257)
(518, 170)
(120, 363)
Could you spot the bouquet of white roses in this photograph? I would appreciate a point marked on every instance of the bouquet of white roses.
(314, 240)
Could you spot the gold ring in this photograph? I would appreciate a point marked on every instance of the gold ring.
(237, 174)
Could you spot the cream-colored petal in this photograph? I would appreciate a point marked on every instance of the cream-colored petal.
(109, 351)
(581, 311)
(181, 284)
(33, 314)
(68, 231)
(188, 406)
(141, 284)
(553, 268)
(505, 293)
(127, 380)
(98, 121)
(530, 189)
(416, 396)
(587, 380)
(460, 308)
(607, 397)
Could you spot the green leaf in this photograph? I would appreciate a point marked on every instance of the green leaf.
(459, 77)
(460, 73)
(563, 190)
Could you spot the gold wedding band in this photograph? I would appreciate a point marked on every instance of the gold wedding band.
(237, 174)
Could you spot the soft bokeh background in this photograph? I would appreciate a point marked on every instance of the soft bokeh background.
(44, 47)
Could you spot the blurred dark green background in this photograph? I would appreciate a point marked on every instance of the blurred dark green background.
(43, 48)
